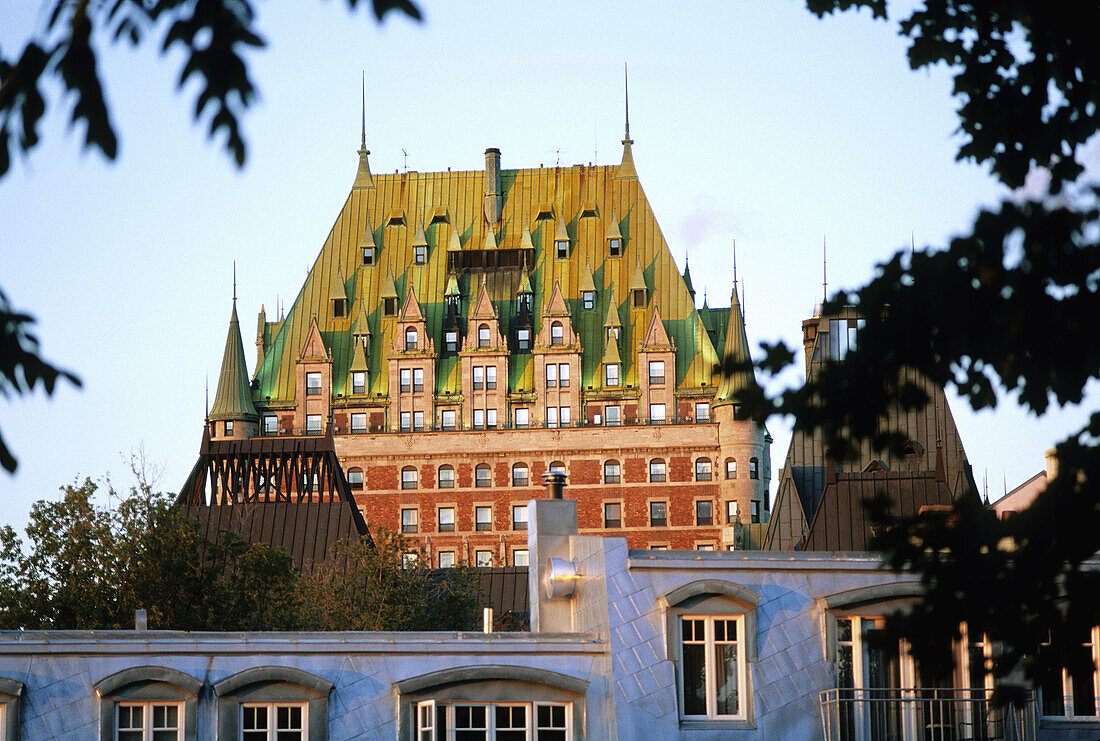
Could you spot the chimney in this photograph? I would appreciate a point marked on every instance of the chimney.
(141, 620)
(494, 199)
(555, 484)
(1052, 463)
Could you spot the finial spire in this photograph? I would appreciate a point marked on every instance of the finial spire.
(735, 266)
(363, 125)
(234, 282)
(626, 89)
(363, 178)
(824, 270)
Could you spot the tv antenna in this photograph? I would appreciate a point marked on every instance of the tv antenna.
(406, 159)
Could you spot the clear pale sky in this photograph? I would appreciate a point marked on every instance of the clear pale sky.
(752, 121)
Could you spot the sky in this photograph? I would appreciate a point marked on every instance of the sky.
(753, 122)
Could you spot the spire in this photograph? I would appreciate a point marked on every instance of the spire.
(233, 400)
(736, 350)
(824, 270)
(687, 280)
(363, 177)
(626, 169)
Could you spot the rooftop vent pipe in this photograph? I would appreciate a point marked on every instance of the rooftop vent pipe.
(494, 197)
(555, 484)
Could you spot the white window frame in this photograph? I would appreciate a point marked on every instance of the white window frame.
(440, 524)
(146, 727)
(313, 383)
(448, 419)
(478, 522)
(657, 413)
(557, 333)
(490, 377)
(657, 372)
(710, 673)
(483, 557)
(272, 718)
(588, 300)
(410, 339)
(314, 424)
(418, 379)
(612, 416)
(449, 556)
(271, 424)
(426, 714)
(358, 382)
(551, 416)
(521, 417)
(519, 516)
(520, 557)
(702, 411)
(563, 375)
(611, 375)
(563, 416)
(358, 421)
(405, 380)
(551, 375)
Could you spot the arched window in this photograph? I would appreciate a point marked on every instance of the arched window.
(143, 702)
(657, 470)
(557, 467)
(557, 334)
(703, 470)
(410, 338)
(355, 478)
(754, 468)
(731, 468)
(408, 477)
(483, 335)
(446, 477)
(483, 476)
(611, 472)
(520, 475)
(273, 697)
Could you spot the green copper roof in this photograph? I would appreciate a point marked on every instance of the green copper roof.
(233, 400)
(737, 347)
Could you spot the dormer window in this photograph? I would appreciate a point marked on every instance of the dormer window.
(359, 382)
(638, 295)
(368, 254)
(450, 341)
(557, 334)
(614, 247)
(389, 306)
(562, 248)
(611, 374)
(524, 301)
(588, 300)
(339, 308)
(410, 339)
(613, 334)
(420, 254)
(523, 339)
(313, 384)
(483, 335)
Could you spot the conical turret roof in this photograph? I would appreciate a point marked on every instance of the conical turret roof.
(233, 400)
(737, 350)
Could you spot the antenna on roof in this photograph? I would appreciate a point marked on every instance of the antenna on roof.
(363, 129)
(207, 380)
(985, 485)
(234, 281)
(824, 270)
(406, 159)
(595, 142)
(735, 265)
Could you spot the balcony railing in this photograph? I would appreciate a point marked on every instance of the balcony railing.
(923, 714)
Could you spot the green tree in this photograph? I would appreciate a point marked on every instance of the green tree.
(1008, 310)
(215, 36)
(384, 585)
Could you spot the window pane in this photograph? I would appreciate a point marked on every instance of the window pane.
(695, 679)
(725, 663)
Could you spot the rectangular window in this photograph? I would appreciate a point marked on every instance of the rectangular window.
(551, 416)
(409, 560)
(479, 419)
(658, 514)
(713, 667)
(512, 721)
(355, 479)
(479, 377)
(754, 468)
(657, 413)
(450, 341)
(519, 516)
(614, 246)
(551, 375)
(731, 468)
(147, 720)
(358, 382)
(638, 295)
(563, 375)
(483, 518)
(406, 421)
(359, 422)
(611, 374)
(490, 377)
(368, 255)
(313, 424)
(611, 472)
(271, 424)
(408, 478)
(612, 416)
(482, 559)
(704, 514)
(522, 417)
(313, 384)
(704, 546)
(657, 471)
(389, 306)
(563, 416)
(702, 411)
(483, 336)
(612, 514)
(409, 521)
(446, 559)
(420, 254)
(228, 427)
(418, 379)
(703, 469)
(733, 513)
(755, 511)
(520, 558)
(446, 517)
(406, 380)
(588, 300)
(448, 419)
(656, 372)
(562, 247)
(523, 340)
(1070, 691)
(491, 418)
(418, 421)
(267, 722)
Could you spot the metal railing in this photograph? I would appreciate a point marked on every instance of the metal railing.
(923, 714)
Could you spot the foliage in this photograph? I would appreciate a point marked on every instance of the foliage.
(1006, 310)
(91, 567)
(21, 367)
(373, 587)
(214, 36)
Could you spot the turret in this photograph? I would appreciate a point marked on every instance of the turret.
(233, 416)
